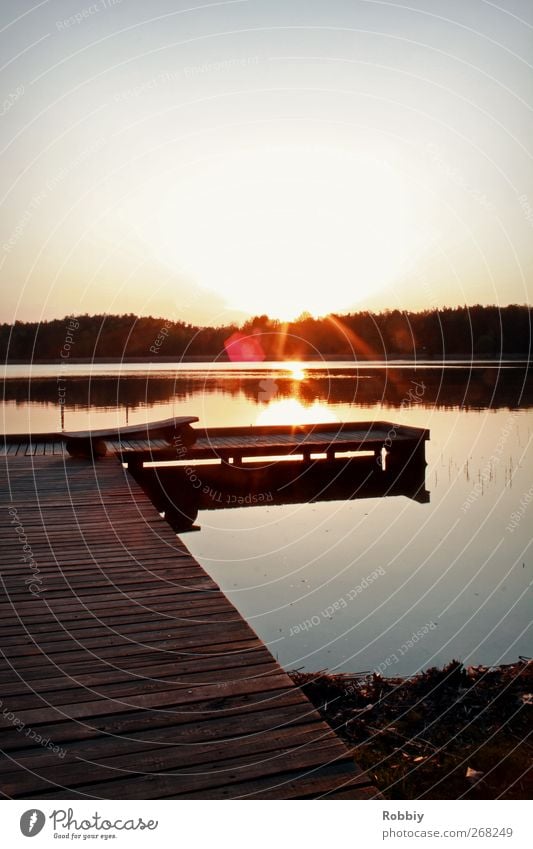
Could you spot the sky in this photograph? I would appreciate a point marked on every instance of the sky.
(211, 161)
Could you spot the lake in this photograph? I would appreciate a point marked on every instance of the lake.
(372, 583)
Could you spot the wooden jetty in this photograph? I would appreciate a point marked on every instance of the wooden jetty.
(126, 673)
(311, 441)
(182, 491)
(165, 441)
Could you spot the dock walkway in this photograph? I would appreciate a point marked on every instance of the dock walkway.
(125, 672)
(233, 444)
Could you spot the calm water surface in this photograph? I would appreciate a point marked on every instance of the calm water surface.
(375, 583)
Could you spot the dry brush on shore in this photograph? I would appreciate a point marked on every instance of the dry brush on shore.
(456, 732)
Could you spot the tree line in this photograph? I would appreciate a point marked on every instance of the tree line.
(436, 333)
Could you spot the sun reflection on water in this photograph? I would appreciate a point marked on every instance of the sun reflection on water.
(297, 371)
(291, 411)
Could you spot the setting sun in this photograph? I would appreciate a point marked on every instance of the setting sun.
(297, 371)
(282, 230)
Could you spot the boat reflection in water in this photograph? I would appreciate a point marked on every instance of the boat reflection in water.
(181, 491)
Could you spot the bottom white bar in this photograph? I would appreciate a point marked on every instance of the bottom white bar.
(263, 824)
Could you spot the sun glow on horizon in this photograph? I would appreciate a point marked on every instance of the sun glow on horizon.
(281, 231)
(296, 370)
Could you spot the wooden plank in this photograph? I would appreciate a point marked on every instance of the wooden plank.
(165, 682)
(183, 757)
(304, 783)
(168, 668)
(179, 645)
(249, 724)
(269, 441)
(156, 702)
(133, 660)
(135, 723)
(140, 601)
(195, 610)
(148, 629)
(214, 781)
(132, 430)
(216, 631)
(117, 617)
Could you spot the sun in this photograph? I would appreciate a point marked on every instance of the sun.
(283, 230)
(296, 370)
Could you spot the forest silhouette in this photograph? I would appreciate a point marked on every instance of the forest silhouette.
(437, 333)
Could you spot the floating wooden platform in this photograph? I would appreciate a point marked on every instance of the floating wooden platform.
(125, 671)
(237, 444)
(328, 440)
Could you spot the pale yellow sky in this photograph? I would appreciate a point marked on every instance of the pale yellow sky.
(216, 160)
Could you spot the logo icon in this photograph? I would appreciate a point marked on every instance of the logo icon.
(32, 822)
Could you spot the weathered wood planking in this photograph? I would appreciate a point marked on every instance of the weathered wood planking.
(140, 677)
(238, 442)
